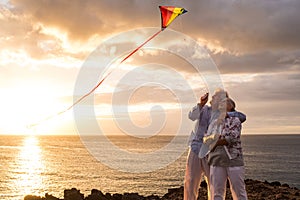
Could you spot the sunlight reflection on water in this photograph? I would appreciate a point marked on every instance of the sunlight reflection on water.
(28, 179)
(39, 164)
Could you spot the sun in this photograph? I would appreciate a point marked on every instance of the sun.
(22, 106)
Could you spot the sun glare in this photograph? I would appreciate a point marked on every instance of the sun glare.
(25, 105)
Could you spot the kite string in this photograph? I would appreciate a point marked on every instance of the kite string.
(141, 45)
(87, 94)
(94, 88)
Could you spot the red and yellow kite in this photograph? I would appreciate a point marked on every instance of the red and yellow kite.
(168, 14)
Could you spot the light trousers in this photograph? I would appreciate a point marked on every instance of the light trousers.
(195, 168)
(218, 179)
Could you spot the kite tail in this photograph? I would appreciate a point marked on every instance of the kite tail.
(87, 94)
(90, 92)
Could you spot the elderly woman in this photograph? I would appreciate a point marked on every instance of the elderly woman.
(197, 164)
(226, 157)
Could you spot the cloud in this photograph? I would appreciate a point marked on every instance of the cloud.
(255, 45)
(270, 101)
(258, 62)
(246, 26)
(82, 19)
(254, 35)
(20, 32)
(265, 87)
(238, 26)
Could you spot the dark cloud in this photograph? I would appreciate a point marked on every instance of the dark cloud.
(68, 16)
(259, 62)
(226, 63)
(238, 26)
(242, 26)
(82, 19)
(268, 88)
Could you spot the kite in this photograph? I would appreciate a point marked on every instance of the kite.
(168, 14)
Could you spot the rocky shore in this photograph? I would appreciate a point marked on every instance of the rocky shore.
(257, 190)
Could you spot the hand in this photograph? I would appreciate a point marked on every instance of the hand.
(220, 142)
(204, 99)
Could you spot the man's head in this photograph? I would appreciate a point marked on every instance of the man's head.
(218, 97)
(230, 105)
(227, 105)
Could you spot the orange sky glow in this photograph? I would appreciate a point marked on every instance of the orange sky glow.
(44, 44)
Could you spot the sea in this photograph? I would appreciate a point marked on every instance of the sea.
(49, 164)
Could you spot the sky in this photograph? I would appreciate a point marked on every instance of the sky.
(44, 45)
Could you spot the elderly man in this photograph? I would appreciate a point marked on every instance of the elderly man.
(195, 166)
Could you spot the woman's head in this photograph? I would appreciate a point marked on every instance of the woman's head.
(218, 97)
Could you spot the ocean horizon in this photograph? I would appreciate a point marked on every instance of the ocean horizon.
(49, 164)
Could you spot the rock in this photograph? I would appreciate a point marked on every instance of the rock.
(174, 190)
(108, 196)
(132, 196)
(47, 197)
(153, 197)
(281, 197)
(173, 193)
(255, 190)
(50, 197)
(73, 194)
(264, 194)
(117, 196)
(96, 195)
(275, 183)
